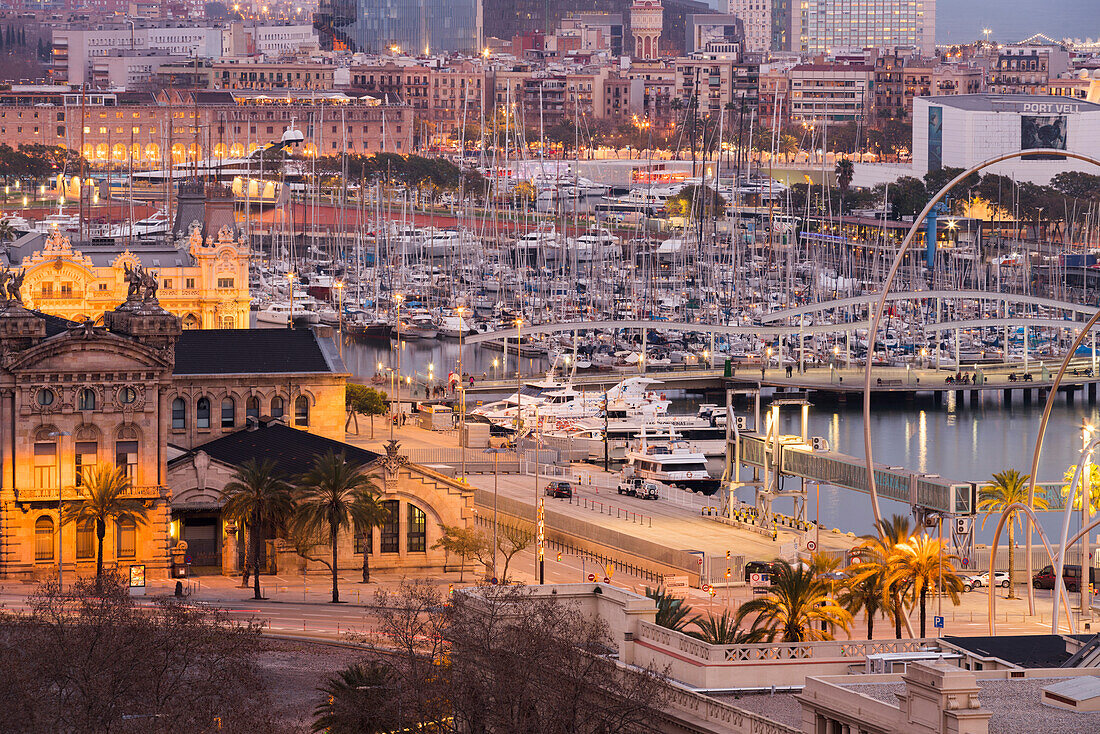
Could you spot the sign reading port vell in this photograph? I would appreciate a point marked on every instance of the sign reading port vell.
(850, 472)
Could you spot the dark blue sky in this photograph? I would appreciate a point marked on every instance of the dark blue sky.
(1014, 20)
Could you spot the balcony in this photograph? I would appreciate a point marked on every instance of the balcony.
(73, 494)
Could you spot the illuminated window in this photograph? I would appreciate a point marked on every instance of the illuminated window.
(85, 540)
(418, 530)
(43, 539)
(126, 531)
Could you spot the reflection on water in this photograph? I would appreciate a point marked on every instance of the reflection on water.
(956, 440)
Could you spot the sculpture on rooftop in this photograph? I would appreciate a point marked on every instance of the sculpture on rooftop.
(142, 284)
(11, 285)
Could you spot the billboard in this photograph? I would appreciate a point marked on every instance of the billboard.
(935, 138)
(1043, 131)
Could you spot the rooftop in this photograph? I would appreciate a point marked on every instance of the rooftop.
(292, 450)
(1026, 651)
(1010, 102)
(254, 351)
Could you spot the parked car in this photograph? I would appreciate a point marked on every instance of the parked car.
(638, 487)
(560, 489)
(978, 580)
(1071, 576)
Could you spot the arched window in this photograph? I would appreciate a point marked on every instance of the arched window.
(252, 407)
(179, 413)
(43, 539)
(229, 413)
(202, 413)
(301, 411)
(85, 399)
(126, 451)
(45, 458)
(127, 538)
(85, 540)
(390, 531)
(418, 530)
(276, 407)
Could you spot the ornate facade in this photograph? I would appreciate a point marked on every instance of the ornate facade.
(131, 393)
(208, 289)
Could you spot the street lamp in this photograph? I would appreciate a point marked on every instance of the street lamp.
(519, 375)
(496, 484)
(290, 276)
(397, 299)
(57, 455)
(461, 311)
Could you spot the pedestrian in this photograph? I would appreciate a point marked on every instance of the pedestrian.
(762, 367)
(471, 380)
(789, 371)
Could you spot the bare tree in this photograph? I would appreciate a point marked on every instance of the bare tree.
(89, 660)
(510, 541)
(501, 659)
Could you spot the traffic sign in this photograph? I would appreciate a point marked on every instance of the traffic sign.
(591, 577)
(606, 579)
(755, 578)
(811, 546)
(706, 587)
(966, 562)
(937, 622)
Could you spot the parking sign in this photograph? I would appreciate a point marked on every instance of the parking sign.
(937, 622)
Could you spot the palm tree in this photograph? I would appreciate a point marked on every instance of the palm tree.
(103, 497)
(373, 514)
(874, 566)
(355, 701)
(921, 564)
(672, 611)
(863, 594)
(333, 496)
(796, 602)
(845, 171)
(1008, 487)
(719, 630)
(256, 497)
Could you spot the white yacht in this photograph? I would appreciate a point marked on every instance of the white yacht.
(672, 463)
(280, 312)
(154, 224)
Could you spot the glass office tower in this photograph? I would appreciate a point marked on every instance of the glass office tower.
(413, 26)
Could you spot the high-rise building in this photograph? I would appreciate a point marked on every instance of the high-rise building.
(411, 26)
(757, 17)
(833, 26)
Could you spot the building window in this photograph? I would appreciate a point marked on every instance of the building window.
(301, 411)
(276, 407)
(43, 539)
(229, 411)
(418, 530)
(390, 531)
(126, 451)
(127, 395)
(127, 538)
(189, 283)
(45, 465)
(179, 414)
(225, 282)
(44, 397)
(85, 540)
(364, 541)
(87, 454)
(86, 399)
(202, 413)
(252, 407)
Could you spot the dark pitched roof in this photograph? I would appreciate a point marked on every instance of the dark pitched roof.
(292, 450)
(250, 351)
(1027, 651)
(55, 324)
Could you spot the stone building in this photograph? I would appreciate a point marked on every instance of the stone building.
(130, 393)
(205, 284)
(420, 501)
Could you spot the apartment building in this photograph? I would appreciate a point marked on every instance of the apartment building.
(833, 92)
(1027, 69)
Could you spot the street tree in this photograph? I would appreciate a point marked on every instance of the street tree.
(465, 543)
(923, 564)
(673, 612)
(101, 499)
(1008, 487)
(874, 566)
(334, 495)
(358, 700)
(799, 607)
(363, 400)
(256, 498)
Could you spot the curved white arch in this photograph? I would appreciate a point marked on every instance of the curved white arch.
(880, 304)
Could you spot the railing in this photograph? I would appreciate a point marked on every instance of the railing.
(829, 650)
(73, 494)
(729, 717)
(606, 508)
